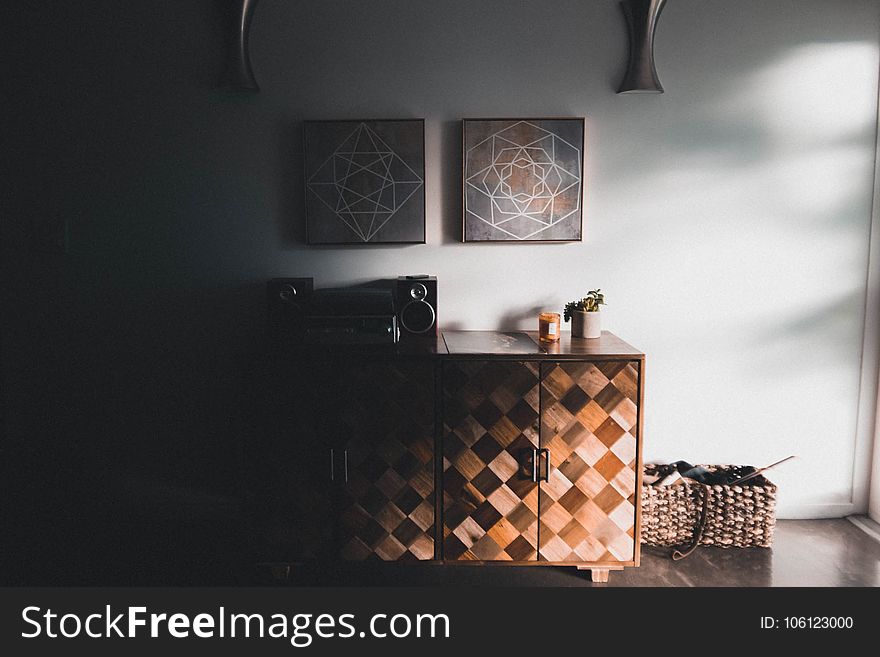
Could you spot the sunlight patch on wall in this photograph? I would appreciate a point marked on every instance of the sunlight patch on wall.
(819, 88)
(753, 219)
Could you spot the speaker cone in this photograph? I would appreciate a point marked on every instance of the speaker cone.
(417, 317)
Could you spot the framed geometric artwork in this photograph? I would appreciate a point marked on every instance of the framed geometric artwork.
(365, 181)
(523, 180)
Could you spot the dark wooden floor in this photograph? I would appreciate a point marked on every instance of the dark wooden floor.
(805, 553)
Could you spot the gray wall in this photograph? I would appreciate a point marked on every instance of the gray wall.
(727, 220)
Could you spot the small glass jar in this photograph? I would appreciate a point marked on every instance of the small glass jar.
(548, 327)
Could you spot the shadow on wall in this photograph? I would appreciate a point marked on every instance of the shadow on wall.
(794, 335)
(450, 181)
(290, 221)
(767, 186)
(515, 317)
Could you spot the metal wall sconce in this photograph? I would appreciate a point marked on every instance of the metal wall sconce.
(238, 73)
(641, 74)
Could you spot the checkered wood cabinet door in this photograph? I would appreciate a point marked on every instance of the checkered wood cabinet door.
(588, 506)
(388, 499)
(490, 502)
(286, 461)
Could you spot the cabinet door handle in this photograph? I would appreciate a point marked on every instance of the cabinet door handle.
(344, 465)
(546, 452)
(535, 465)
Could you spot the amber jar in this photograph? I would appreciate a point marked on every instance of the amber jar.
(548, 327)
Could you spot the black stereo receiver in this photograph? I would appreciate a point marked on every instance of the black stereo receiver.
(384, 312)
(350, 329)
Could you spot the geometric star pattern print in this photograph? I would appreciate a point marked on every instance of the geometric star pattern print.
(527, 181)
(364, 182)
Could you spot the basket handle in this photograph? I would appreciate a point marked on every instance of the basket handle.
(678, 555)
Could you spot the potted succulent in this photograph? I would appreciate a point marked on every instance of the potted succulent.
(586, 322)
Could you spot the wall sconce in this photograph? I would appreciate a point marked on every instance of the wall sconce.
(641, 18)
(238, 73)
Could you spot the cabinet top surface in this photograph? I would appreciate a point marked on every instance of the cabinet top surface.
(525, 344)
(521, 345)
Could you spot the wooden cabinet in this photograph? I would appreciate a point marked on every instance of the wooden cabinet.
(287, 461)
(345, 463)
(490, 441)
(535, 448)
(588, 502)
(540, 461)
(383, 462)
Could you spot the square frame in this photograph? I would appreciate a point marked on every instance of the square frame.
(345, 207)
(482, 195)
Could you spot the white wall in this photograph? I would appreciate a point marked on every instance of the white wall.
(874, 506)
(727, 220)
(872, 330)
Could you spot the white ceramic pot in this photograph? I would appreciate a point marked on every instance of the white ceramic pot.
(586, 325)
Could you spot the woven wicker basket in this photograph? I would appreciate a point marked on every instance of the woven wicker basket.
(692, 514)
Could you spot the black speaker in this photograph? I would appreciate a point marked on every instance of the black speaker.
(288, 303)
(416, 307)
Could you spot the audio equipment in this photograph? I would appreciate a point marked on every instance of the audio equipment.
(383, 314)
(416, 307)
(351, 301)
(289, 300)
(351, 315)
(350, 329)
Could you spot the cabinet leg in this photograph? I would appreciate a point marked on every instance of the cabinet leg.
(278, 572)
(599, 574)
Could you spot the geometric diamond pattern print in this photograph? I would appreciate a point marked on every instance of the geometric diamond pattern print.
(364, 183)
(490, 503)
(388, 500)
(588, 506)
